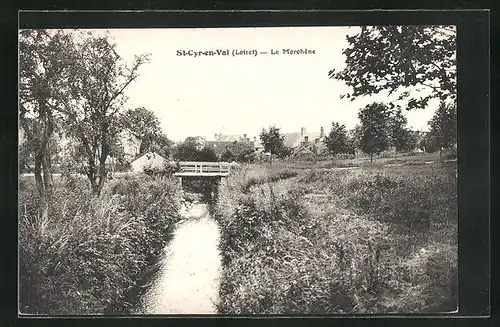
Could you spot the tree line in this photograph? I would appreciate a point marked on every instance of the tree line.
(73, 83)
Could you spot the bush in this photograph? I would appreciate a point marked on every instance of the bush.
(338, 242)
(166, 170)
(86, 258)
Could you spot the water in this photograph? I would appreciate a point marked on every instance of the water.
(188, 280)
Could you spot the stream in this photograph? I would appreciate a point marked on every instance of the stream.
(187, 281)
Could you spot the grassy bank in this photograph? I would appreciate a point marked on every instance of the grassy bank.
(375, 239)
(88, 256)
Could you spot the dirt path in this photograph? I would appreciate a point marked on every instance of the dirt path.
(188, 281)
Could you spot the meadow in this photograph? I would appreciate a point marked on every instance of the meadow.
(90, 255)
(308, 238)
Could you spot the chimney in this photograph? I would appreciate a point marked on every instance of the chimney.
(302, 130)
(322, 132)
(244, 137)
(215, 137)
(255, 138)
(306, 139)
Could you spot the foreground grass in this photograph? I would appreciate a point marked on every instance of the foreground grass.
(380, 239)
(88, 256)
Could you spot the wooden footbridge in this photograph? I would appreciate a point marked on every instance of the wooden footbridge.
(202, 169)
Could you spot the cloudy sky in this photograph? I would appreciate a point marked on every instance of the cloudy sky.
(200, 96)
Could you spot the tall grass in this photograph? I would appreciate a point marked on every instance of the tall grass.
(339, 242)
(86, 258)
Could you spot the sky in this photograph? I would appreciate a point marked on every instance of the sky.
(203, 95)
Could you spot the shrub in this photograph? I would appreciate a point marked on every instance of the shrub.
(86, 258)
(166, 170)
(339, 242)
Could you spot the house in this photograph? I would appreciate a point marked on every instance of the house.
(131, 144)
(221, 142)
(150, 159)
(299, 141)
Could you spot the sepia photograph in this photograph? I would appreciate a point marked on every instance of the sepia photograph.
(238, 171)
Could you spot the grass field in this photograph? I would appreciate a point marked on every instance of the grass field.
(314, 239)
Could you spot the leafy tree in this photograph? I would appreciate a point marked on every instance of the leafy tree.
(429, 144)
(207, 154)
(43, 81)
(285, 152)
(412, 139)
(336, 141)
(375, 130)
(158, 143)
(272, 141)
(354, 137)
(190, 150)
(187, 150)
(402, 137)
(396, 57)
(239, 152)
(141, 122)
(99, 79)
(443, 126)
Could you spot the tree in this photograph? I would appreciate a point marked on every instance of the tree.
(400, 134)
(239, 152)
(336, 141)
(158, 143)
(375, 130)
(428, 143)
(191, 150)
(272, 141)
(187, 150)
(141, 122)
(145, 125)
(43, 81)
(354, 137)
(99, 79)
(396, 57)
(443, 126)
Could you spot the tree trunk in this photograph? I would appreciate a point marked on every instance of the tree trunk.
(47, 175)
(41, 182)
(371, 157)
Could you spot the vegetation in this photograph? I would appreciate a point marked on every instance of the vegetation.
(239, 152)
(166, 170)
(273, 142)
(375, 132)
(337, 140)
(144, 125)
(443, 127)
(402, 138)
(89, 255)
(73, 82)
(191, 150)
(373, 240)
(392, 58)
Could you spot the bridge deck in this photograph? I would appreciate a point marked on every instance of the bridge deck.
(203, 169)
(202, 174)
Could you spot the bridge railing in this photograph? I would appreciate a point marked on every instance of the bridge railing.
(204, 167)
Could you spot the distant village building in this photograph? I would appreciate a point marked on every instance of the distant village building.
(131, 144)
(305, 143)
(150, 159)
(221, 142)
